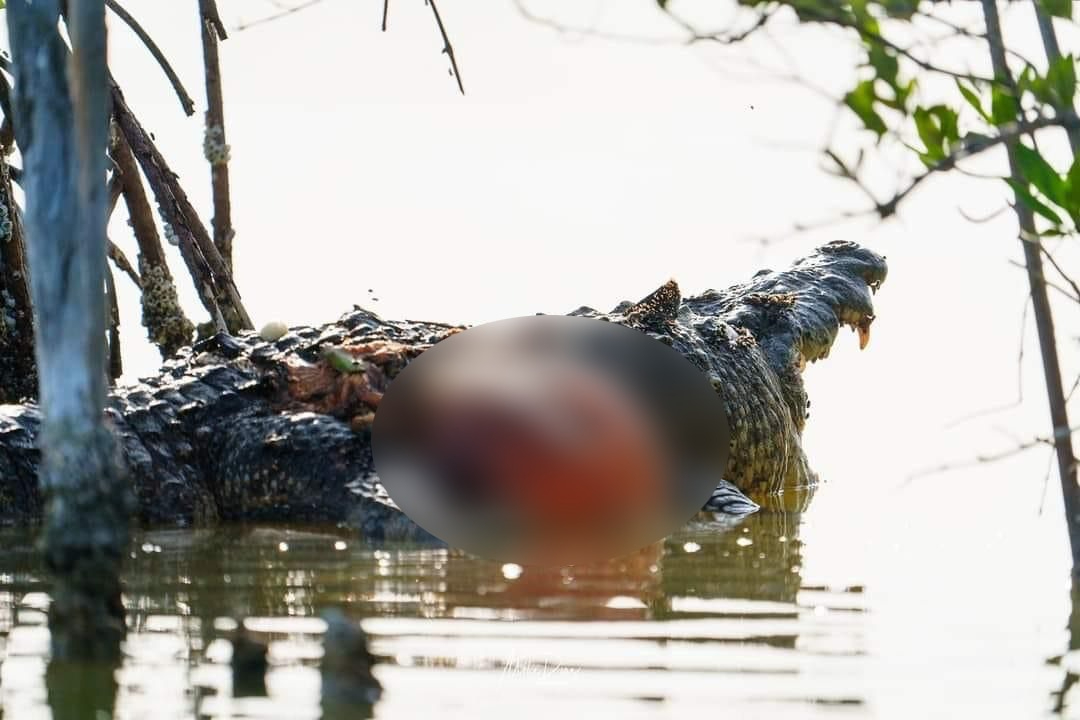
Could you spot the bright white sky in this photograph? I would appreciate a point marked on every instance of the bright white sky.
(579, 171)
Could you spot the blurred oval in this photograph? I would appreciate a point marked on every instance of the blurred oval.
(550, 440)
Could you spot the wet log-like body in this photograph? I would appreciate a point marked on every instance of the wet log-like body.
(246, 429)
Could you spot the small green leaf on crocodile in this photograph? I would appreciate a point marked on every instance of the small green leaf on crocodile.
(341, 360)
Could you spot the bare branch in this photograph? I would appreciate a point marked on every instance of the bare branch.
(723, 37)
(447, 47)
(7, 129)
(1040, 301)
(123, 264)
(116, 361)
(185, 100)
(1054, 263)
(215, 146)
(212, 276)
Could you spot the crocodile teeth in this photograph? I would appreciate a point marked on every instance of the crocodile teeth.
(864, 332)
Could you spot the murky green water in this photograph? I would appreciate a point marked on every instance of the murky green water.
(714, 619)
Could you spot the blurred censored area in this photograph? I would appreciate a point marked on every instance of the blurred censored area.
(550, 439)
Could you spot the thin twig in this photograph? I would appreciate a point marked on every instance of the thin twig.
(1049, 284)
(805, 227)
(123, 264)
(1019, 377)
(979, 220)
(722, 37)
(884, 42)
(987, 457)
(1054, 263)
(277, 16)
(849, 174)
(975, 146)
(563, 29)
(447, 47)
(385, 13)
(969, 33)
(185, 100)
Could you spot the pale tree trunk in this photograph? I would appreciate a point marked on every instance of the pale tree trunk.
(1040, 303)
(62, 133)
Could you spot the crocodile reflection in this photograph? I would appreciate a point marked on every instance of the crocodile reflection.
(745, 575)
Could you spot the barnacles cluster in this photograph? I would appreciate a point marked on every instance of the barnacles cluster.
(7, 313)
(215, 148)
(5, 222)
(170, 233)
(162, 316)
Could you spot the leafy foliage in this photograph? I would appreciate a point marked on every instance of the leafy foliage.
(985, 111)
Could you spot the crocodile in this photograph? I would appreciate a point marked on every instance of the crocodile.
(246, 429)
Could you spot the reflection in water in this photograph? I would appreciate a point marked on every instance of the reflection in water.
(714, 614)
(81, 691)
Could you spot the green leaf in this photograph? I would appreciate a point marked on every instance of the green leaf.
(1003, 106)
(822, 11)
(883, 62)
(1061, 79)
(947, 121)
(861, 101)
(937, 128)
(1041, 174)
(1057, 8)
(930, 134)
(972, 96)
(1072, 190)
(1025, 196)
(900, 9)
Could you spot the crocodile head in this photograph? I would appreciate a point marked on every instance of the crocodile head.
(795, 314)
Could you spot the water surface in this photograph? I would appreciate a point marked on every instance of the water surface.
(719, 617)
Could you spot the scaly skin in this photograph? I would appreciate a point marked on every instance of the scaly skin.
(238, 428)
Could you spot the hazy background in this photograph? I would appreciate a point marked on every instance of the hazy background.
(581, 171)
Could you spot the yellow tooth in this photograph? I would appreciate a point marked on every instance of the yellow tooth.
(864, 336)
